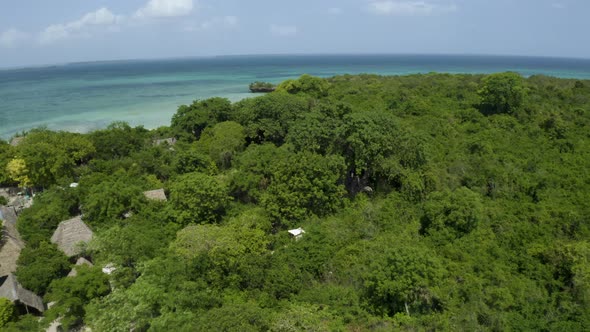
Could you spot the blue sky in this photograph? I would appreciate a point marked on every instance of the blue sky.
(34, 32)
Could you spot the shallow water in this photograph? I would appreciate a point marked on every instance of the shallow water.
(85, 96)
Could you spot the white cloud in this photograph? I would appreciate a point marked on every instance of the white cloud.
(283, 30)
(56, 32)
(165, 8)
(335, 11)
(103, 20)
(408, 7)
(11, 37)
(214, 23)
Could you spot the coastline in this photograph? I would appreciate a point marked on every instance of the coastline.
(88, 96)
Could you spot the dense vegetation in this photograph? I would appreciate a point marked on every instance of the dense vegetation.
(429, 202)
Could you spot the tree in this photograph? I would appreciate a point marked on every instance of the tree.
(305, 317)
(7, 312)
(502, 93)
(304, 184)
(111, 198)
(24, 323)
(37, 267)
(138, 239)
(190, 158)
(38, 222)
(17, 171)
(368, 140)
(190, 121)
(221, 249)
(315, 132)
(254, 171)
(307, 84)
(246, 317)
(268, 118)
(168, 284)
(223, 142)
(404, 279)
(119, 140)
(6, 154)
(197, 198)
(459, 212)
(52, 156)
(71, 294)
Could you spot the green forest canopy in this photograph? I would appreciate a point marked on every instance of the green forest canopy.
(429, 202)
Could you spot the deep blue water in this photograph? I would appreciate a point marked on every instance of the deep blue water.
(85, 96)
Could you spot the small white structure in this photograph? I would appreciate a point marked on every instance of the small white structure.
(168, 141)
(297, 233)
(74, 185)
(109, 268)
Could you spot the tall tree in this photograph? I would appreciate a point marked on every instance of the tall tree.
(502, 93)
(198, 198)
(38, 267)
(190, 121)
(53, 156)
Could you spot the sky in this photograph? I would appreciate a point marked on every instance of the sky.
(38, 32)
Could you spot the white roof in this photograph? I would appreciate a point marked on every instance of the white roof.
(109, 268)
(296, 232)
(73, 185)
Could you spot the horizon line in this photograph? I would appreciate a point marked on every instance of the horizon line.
(195, 57)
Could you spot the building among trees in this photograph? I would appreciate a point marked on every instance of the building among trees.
(70, 234)
(81, 261)
(156, 195)
(11, 289)
(297, 233)
(11, 243)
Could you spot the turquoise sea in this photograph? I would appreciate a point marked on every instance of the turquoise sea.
(84, 96)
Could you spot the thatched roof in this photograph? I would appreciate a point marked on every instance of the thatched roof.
(16, 141)
(69, 234)
(169, 141)
(12, 290)
(80, 261)
(156, 195)
(8, 213)
(11, 245)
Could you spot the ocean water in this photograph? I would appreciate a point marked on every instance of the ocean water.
(81, 97)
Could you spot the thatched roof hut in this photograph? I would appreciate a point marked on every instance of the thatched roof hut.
(156, 195)
(69, 234)
(11, 289)
(17, 140)
(8, 213)
(11, 245)
(80, 261)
